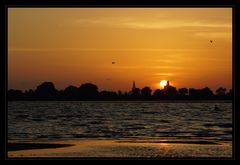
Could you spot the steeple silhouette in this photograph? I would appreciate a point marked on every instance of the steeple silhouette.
(168, 84)
(133, 87)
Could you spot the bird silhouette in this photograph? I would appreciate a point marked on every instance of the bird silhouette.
(211, 41)
(113, 62)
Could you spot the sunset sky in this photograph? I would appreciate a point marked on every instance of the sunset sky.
(71, 46)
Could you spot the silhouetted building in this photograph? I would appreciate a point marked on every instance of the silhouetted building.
(135, 93)
(133, 88)
(170, 91)
(168, 84)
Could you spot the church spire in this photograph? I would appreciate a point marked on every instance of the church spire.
(133, 85)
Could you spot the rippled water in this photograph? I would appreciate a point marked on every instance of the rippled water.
(115, 120)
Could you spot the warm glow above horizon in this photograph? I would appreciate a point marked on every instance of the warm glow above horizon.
(111, 47)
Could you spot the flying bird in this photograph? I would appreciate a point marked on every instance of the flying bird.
(211, 41)
(113, 62)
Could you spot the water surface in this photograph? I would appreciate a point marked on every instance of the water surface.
(45, 120)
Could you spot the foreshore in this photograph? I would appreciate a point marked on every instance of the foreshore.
(119, 149)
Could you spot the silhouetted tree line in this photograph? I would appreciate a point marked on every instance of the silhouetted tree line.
(89, 91)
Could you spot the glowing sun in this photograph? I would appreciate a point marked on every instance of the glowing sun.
(163, 83)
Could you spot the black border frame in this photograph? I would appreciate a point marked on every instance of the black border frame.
(234, 4)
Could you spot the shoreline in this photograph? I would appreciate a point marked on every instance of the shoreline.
(120, 149)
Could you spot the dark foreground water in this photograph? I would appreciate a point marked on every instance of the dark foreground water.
(116, 120)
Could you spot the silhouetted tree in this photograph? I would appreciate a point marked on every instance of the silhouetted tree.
(88, 91)
(221, 91)
(120, 95)
(135, 94)
(29, 94)
(158, 94)
(229, 94)
(146, 92)
(61, 95)
(46, 91)
(71, 93)
(206, 93)
(183, 91)
(194, 93)
(15, 94)
(108, 95)
(126, 96)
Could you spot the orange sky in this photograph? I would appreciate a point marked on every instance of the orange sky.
(71, 46)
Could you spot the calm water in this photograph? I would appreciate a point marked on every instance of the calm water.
(115, 120)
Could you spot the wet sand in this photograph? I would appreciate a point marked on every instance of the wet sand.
(121, 149)
(29, 146)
